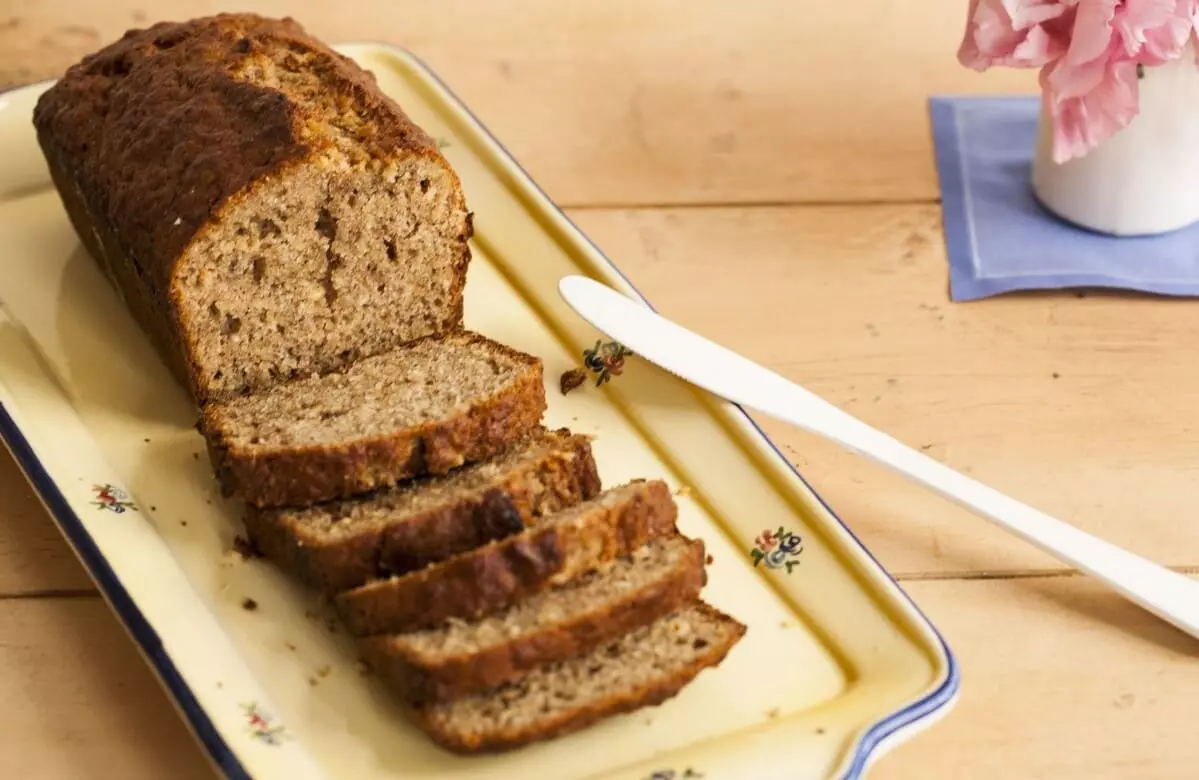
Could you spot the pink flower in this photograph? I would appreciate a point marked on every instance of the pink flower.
(1083, 121)
(1092, 90)
(1088, 52)
(1153, 31)
(1014, 33)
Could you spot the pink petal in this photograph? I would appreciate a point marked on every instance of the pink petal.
(1092, 32)
(1012, 33)
(1081, 123)
(989, 35)
(1136, 16)
(1030, 13)
(1071, 78)
(1154, 31)
(1166, 42)
(1038, 48)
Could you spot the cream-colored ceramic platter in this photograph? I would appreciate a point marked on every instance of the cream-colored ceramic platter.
(836, 666)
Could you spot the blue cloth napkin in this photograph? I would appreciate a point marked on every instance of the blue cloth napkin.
(1000, 239)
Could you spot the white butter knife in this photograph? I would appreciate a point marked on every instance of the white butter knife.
(1165, 593)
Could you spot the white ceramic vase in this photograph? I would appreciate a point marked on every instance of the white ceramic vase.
(1144, 179)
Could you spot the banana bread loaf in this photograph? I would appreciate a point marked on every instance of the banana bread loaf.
(261, 207)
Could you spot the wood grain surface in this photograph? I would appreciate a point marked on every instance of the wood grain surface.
(629, 102)
(764, 173)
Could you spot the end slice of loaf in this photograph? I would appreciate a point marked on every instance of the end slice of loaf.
(425, 408)
(485, 580)
(340, 545)
(643, 668)
(466, 657)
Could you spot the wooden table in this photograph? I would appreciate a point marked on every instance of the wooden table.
(765, 175)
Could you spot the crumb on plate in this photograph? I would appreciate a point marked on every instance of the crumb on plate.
(245, 548)
(572, 379)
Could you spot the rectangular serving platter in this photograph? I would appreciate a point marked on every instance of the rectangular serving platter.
(837, 665)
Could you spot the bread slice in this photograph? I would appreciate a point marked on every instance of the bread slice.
(642, 668)
(465, 657)
(425, 408)
(339, 545)
(558, 549)
(261, 207)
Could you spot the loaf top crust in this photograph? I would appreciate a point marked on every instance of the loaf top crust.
(169, 123)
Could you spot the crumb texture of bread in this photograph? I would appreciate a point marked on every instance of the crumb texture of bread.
(477, 583)
(261, 207)
(643, 668)
(424, 408)
(465, 657)
(339, 545)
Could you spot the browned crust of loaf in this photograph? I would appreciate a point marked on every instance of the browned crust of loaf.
(299, 476)
(165, 94)
(566, 476)
(418, 680)
(99, 238)
(507, 738)
(490, 578)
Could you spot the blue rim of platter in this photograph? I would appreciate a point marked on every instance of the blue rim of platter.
(119, 599)
(218, 750)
